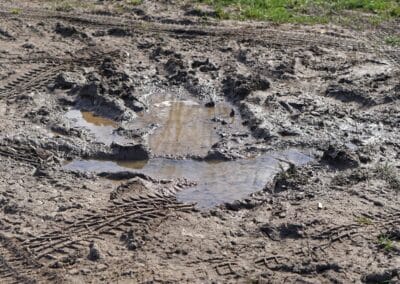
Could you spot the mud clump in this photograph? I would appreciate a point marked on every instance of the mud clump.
(130, 152)
(340, 157)
(204, 65)
(67, 31)
(201, 13)
(90, 90)
(283, 231)
(177, 71)
(348, 95)
(108, 91)
(385, 276)
(292, 179)
(238, 87)
(11, 208)
(28, 45)
(121, 175)
(129, 240)
(118, 32)
(5, 34)
(219, 155)
(68, 80)
(94, 252)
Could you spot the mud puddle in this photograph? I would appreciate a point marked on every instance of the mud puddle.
(171, 127)
(217, 182)
(185, 127)
(102, 128)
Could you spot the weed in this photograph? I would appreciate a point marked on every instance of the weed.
(64, 7)
(302, 11)
(134, 2)
(364, 221)
(220, 13)
(393, 40)
(389, 174)
(15, 11)
(385, 243)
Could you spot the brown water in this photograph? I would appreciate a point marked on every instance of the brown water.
(185, 127)
(89, 117)
(217, 182)
(100, 127)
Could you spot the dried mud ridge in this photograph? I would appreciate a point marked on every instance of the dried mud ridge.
(335, 220)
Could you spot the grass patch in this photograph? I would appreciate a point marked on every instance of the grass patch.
(385, 243)
(15, 11)
(134, 2)
(68, 5)
(389, 174)
(364, 221)
(302, 11)
(64, 7)
(393, 40)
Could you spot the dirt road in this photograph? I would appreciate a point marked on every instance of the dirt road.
(158, 146)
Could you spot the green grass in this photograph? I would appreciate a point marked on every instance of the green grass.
(303, 11)
(385, 243)
(64, 7)
(364, 221)
(68, 5)
(15, 11)
(134, 2)
(393, 40)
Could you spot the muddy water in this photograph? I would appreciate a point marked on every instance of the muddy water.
(101, 128)
(217, 182)
(184, 127)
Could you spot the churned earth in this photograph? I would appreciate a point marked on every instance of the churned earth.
(157, 145)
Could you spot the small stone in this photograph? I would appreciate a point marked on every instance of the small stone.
(94, 252)
(210, 104)
(320, 205)
(378, 203)
(282, 214)
(85, 271)
(74, 271)
(28, 45)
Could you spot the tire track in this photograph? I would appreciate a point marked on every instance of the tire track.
(16, 265)
(330, 236)
(116, 218)
(39, 77)
(255, 34)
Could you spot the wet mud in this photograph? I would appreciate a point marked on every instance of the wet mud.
(155, 145)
